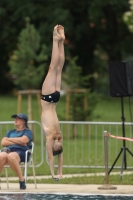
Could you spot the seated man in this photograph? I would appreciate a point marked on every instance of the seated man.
(16, 141)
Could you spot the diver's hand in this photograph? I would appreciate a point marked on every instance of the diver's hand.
(57, 177)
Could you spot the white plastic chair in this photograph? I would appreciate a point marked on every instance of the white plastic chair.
(25, 165)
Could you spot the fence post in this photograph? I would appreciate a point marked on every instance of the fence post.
(107, 186)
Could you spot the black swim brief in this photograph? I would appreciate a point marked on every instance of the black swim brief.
(52, 98)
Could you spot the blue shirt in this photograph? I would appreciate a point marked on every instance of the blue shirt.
(14, 134)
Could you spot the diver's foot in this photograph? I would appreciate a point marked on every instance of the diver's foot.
(60, 30)
(56, 35)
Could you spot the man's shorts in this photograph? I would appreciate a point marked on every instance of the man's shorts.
(21, 153)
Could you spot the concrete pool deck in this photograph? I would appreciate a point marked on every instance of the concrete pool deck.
(67, 188)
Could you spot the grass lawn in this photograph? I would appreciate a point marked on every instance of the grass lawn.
(108, 109)
(94, 179)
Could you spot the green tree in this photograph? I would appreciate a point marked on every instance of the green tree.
(98, 24)
(128, 17)
(28, 62)
(90, 26)
(77, 81)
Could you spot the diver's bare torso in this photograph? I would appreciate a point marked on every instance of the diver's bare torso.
(50, 120)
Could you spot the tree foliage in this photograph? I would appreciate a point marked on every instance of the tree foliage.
(28, 62)
(128, 17)
(90, 26)
(78, 110)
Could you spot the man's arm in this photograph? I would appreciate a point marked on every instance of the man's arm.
(60, 164)
(11, 141)
(50, 156)
(5, 142)
(49, 145)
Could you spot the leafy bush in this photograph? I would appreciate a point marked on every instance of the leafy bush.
(82, 100)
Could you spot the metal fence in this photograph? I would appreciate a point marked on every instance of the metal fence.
(83, 143)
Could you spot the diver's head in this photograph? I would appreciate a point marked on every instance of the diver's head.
(57, 148)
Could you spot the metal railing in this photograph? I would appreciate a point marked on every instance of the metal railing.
(83, 143)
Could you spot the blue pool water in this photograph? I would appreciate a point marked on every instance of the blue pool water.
(42, 196)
